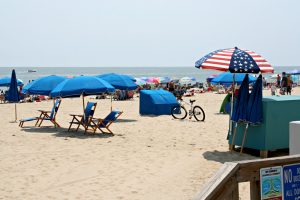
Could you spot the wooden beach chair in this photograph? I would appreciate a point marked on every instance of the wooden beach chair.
(84, 120)
(45, 115)
(106, 122)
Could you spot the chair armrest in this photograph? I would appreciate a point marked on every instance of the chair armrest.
(76, 115)
(44, 111)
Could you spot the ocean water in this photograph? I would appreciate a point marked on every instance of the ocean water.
(173, 72)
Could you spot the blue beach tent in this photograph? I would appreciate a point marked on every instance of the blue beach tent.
(156, 102)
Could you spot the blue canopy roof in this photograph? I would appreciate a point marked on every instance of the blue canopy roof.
(43, 86)
(5, 81)
(86, 85)
(119, 81)
(227, 78)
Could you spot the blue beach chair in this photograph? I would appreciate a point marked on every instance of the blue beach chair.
(45, 115)
(84, 120)
(106, 122)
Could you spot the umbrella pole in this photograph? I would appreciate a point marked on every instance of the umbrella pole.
(233, 137)
(231, 107)
(15, 112)
(244, 139)
(110, 102)
(83, 104)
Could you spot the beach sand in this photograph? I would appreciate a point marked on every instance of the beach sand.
(147, 158)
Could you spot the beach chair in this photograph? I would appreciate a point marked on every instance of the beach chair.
(45, 115)
(106, 122)
(84, 120)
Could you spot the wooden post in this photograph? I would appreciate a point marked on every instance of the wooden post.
(233, 138)
(244, 139)
(254, 190)
(264, 154)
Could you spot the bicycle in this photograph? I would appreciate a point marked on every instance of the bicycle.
(180, 112)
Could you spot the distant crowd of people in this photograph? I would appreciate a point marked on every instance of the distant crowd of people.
(284, 83)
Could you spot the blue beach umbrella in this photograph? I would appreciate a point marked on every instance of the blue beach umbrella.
(254, 108)
(43, 85)
(13, 93)
(240, 105)
(226, 78)
(81, 86)
(294, 72)
(5, 81)
(119, 81)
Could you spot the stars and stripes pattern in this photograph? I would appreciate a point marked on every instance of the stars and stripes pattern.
(236, 61)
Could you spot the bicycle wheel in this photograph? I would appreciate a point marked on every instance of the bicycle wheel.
(179, 112)
(198, 113)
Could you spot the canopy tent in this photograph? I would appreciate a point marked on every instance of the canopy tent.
(156, 102)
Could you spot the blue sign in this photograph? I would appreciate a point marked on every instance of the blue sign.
(291, 182)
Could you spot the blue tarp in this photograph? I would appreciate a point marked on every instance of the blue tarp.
(156, 102)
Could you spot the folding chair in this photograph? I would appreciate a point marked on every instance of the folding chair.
(106, 122)
(84, 120)
(45, 115)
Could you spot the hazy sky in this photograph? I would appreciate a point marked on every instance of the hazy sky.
(144, 32)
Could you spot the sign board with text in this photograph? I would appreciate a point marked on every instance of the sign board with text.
(291, 182)
(271, 183)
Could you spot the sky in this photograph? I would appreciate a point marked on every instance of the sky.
(130, 33)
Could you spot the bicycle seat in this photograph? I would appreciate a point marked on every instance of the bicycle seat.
(192, 101)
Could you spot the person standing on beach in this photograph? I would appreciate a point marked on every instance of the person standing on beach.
(289, 85)
(273, 89)
(278, 80)
(171, 87)
(284, 83)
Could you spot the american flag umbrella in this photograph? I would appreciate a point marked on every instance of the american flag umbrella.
(235, 60)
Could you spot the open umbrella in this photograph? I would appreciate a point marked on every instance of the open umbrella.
(211, 77)
(294, 72)
(254, 107)
(119, 81)
(13, 93)
(235, 60)
(5, 81)
(187, 81)
(240, 106)
(153, 80)
(164, 79)
(43, 86)
(81, 86)
(227, 79)
(139, 81)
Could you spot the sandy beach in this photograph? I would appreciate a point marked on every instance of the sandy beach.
(147, 158)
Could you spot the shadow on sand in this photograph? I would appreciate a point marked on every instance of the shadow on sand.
(249, 154)
(226, 156)
(125, 120)
(63, 132)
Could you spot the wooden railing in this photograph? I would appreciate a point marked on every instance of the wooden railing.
(225, 183)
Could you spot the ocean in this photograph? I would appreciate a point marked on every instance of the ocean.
(178, 72)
